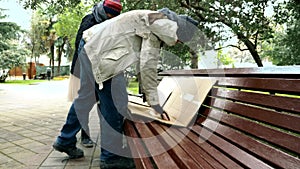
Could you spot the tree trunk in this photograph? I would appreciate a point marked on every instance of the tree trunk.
(60, 51)
(52, 58)
(252, 49)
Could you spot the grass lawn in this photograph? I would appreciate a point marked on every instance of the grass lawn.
(23, 82)
(32, 81)
(133, 87)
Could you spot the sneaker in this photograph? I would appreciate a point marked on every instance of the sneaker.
(118, 162)
(73, 152)
(87, 142)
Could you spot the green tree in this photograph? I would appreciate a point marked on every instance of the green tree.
(12, 54)
(37, 35)
(67, 25)
(284, 48)
(244, 20)
(13, 57)
(43, 34)
(224, 59)
(67, 13)
(66, 29)
(222, 20)
(8, 31)
(59, 4)
(55, 29)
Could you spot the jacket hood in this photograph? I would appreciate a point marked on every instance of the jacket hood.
(187, 26)
(99, 12)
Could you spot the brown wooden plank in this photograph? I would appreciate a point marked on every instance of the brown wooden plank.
(227, 141)
(212, 151)
(279, 138)
(289, 86)
(182, 158)
(275, 157)
(229, 149)
(161, 158)
(137, 149)
(264, 100)
(203, 159)
(282, 120)
(266, 72)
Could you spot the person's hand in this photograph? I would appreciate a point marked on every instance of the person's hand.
(162, 113)
(165, 116)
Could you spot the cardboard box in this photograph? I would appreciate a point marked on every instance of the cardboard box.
(180, 97)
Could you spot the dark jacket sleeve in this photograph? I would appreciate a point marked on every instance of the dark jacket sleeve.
(87, 22)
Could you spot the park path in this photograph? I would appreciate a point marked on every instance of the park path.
(31, 117)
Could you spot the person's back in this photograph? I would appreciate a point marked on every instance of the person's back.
(122, 36)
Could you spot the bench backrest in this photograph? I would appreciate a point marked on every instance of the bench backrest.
(252, 115)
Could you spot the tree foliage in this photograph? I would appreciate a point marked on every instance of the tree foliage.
(67, 25)
(223, 20)
(244, 20)
(11, 53)
(42, 36)
(248, 21)
(58, 4)
(8, 31)
(37, 35)
(13, 57)
(284, 48)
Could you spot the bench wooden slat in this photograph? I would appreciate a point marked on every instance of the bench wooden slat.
(229, 149)
(209, 153)
(198, 155)
(282, 120)
(287, 86)
(269, 101)
(139, 152)
(181, 157)
(271, 135)
(263, 72)
(162, 160)
(253, 146)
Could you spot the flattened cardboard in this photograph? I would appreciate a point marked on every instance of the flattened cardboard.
(180, 97)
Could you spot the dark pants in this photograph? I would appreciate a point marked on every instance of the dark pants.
(113, 105)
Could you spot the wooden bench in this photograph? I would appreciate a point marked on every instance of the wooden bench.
(250, 119)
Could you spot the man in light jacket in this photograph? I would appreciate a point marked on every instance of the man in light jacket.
(133, 37)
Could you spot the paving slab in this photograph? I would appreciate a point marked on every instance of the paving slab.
(31, 117)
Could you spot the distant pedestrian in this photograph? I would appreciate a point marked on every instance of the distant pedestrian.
(48, 70)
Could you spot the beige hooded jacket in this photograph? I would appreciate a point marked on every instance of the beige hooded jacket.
(131, 38)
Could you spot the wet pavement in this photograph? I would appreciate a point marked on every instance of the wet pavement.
(31, 117)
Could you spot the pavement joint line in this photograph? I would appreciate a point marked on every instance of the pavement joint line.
(94, 150)
(12, 158)
(28, 138)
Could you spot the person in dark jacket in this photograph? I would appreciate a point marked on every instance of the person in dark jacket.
(66, 141)
(97, 16)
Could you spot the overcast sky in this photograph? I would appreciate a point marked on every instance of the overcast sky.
(16, 13)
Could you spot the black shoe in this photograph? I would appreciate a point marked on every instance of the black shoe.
(73, 152)
(117, 163)
(87, 142)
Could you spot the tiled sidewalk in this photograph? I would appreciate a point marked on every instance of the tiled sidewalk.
(31, 117)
